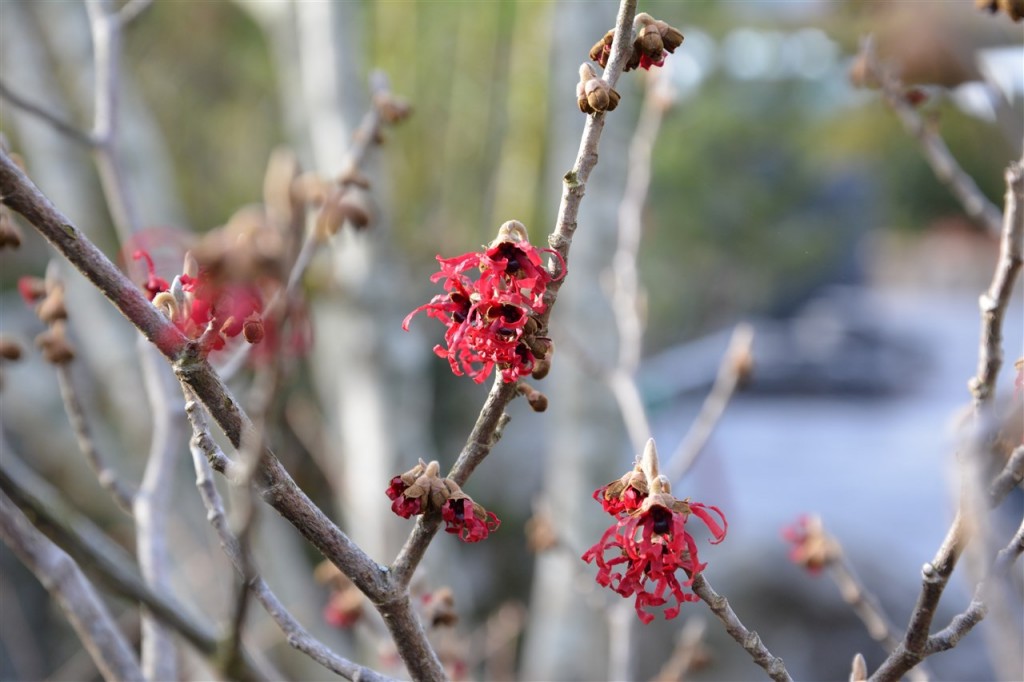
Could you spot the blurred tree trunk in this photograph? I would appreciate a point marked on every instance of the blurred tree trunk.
(587, 438)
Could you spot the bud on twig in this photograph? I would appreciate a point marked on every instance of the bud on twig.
(859, 669)
(9, 348)
(594, 95)
(538, 401)
(10, 234)
(55, 346)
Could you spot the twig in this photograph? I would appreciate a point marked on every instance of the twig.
(105, 27)
(122, 493)
(48, 117)
(486, 430)
(976, 205)
(948, 637)
(731, 373)
(750, 641)
(204, 450)
(152, 507)
(686, 653)
(75, 595)
(363, 139)
(993, 304)
(994, 301)
(131, 10)
(1009, 478)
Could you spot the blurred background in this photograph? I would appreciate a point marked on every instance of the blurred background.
(780, 195)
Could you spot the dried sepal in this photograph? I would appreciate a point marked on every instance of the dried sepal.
(10, 233)
(55, 346)
(593, 95)
(53, 307)
(9, 348)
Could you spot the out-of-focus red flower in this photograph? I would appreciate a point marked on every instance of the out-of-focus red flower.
(491, 319)
(196, 303)
(812, 547)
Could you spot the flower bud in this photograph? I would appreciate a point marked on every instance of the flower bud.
(594, 95)
(10, 235)
(9, 348)
(55, 346)
(252, 328)
(52, 308)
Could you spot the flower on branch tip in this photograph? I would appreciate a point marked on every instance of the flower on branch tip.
(492, 320)
(653, 41)
(640, 554)
(812, 548)
(421, 490)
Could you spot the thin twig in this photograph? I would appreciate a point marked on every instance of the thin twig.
(204, 450)
(75, 595)
(948, 637)
(993, 305)
(687, 652)
(994, 302)
(152, 508)
(122, 492)
(731, 373)
(48, 117)
(486, 430)
(131, 10)
(750, 641)
(976, 205)
(1009, 478)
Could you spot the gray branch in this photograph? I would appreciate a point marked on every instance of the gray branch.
(75, 595)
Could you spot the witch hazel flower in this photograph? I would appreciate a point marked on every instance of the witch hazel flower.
(641, 554)
(421, 490)
(812, 548)
(202, 308)
(653, 41)
(492, 320)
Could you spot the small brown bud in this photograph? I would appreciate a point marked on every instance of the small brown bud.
(541, 368)
(538, 401)
(599, 52)
(55, 346)
(9, 348)
(671, 37)
(252, 328)
(52, 308)
(10, 235)
(594, 95)
(392, 109)
(439, 608)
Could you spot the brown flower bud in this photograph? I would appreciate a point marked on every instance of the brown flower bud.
(1013, 8)
(648, 40)
(538, 401)
(439, 608)
(541, 368)
(671, 37)
(55, 346)
(392, 109)
(10, 235)
(252, 328)
(599, 52)
(341, 205)
(9, 348)
(52, 308)
(594, 95)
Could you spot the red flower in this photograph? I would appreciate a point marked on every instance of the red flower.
(421, 490)
(640, 554)
(195, 303)
(491, 319)
(812, 547)
(468, 520)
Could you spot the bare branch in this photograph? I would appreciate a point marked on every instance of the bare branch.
(750, 641)
(48, 117)
(994, 301)
(204, 450)
(948, 637)
(122, 493)
(731, 373)
(75, 595)
(1009, 478)
(131, 10)
(152, 507)
(961, 185)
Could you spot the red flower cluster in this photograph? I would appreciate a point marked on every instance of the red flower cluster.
(640, 554)
(196, 303)
(491, 320)
(421, 489)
